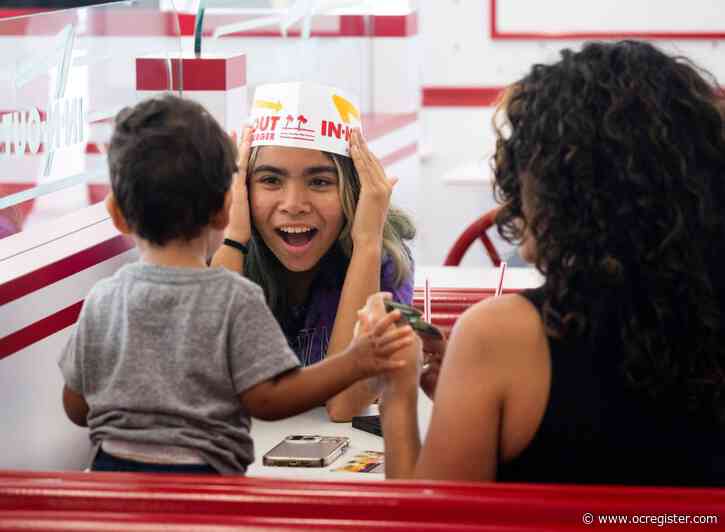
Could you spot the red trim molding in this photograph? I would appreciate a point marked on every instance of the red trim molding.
(111, 22)
(21, 12)
(42, 277)
(376, 125)
(349, 26)
(35, 332)
(99, 22)
(54, 272)
(395, 26)
(400, 154)
(497, 34)
(205, 74)
(474, 96)
(460, 96)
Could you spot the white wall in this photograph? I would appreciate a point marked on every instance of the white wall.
(458, 52)
(36, 432)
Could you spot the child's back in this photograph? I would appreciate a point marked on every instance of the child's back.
(162, 354)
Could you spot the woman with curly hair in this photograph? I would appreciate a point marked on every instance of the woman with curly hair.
(610, 166)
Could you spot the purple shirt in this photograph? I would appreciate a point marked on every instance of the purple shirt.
(310, 341)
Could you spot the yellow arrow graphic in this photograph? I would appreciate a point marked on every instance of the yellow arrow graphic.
(267, 104)
(345, 108)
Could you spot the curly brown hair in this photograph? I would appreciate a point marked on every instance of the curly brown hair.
(613, 160)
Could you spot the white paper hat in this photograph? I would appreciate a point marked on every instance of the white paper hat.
(304, 115)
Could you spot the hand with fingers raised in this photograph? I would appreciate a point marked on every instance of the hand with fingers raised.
(408, 353)
(240, 226)
(379, 339)
(375, 191)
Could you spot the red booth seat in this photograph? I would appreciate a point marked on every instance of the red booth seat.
(120, 501)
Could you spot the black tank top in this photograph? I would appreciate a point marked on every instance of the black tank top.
(596, 430)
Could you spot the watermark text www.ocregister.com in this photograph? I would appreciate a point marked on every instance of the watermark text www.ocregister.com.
(660, 520)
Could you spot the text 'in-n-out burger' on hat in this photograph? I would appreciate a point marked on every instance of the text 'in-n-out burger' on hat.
(304, 115)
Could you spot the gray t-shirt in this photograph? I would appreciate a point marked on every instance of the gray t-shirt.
(161, 355)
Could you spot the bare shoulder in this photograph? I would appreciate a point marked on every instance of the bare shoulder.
(503, 340)
(496, 363)
(507, 324)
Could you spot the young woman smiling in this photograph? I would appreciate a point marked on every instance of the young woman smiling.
(320, 237)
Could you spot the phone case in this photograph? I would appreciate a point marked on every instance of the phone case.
(415, 318)
(369, 424)
(302, 450)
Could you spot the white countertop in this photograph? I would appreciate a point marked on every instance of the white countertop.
(267, 434)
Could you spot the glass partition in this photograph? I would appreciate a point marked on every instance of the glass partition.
(63, 76)
(293, 40)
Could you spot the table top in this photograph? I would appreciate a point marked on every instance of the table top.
(267, 434)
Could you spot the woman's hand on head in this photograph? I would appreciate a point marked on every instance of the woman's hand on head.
(375, 191)
(240, 225)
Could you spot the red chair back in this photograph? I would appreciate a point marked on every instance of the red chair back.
(477, 230)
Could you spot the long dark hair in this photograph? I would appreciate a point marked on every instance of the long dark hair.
(262, 267)
(613, 159)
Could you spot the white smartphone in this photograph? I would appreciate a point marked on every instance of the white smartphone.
(302, 450)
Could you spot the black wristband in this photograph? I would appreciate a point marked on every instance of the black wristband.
(236, 245)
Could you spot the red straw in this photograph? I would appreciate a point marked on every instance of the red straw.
(501, 271)
(426, 301)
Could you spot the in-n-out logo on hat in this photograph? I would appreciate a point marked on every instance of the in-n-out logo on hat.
(304, 115)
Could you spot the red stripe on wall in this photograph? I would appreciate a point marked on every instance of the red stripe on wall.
(106, 21)
(21, 12)
(380, 124)
(35, 332)
(460, 96)
(212, 74)
(492, 15)
(187, 24)
(97, 21)
(395, 26)
(52, 273)
(349, 26)
(474, 96)
(600, 35)
(91, 149)
(397, 155)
